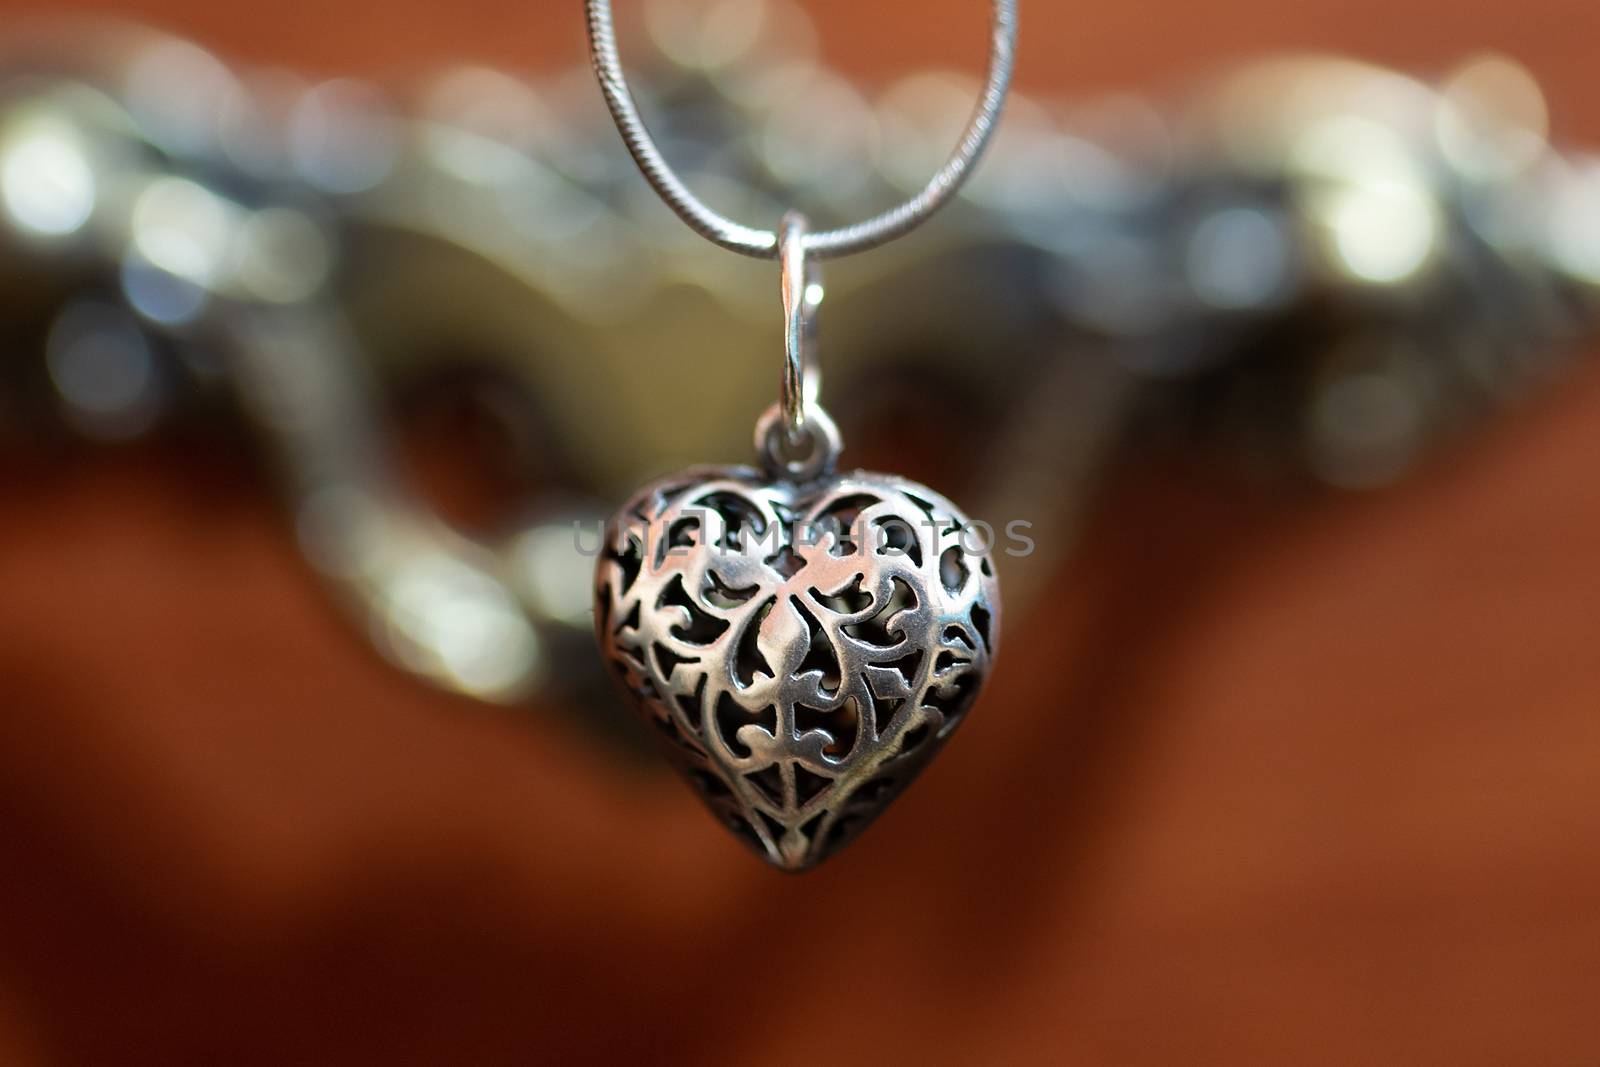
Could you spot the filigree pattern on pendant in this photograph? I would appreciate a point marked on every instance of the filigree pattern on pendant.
(805, 650)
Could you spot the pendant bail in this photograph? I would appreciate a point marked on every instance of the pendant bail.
(796, 438)
(802, 295)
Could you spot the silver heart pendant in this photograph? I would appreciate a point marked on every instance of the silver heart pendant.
(803, 646)
(804, 641)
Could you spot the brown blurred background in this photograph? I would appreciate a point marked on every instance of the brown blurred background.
(1270, 781)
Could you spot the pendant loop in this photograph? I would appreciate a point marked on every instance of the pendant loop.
(802, 295)
(796, 438)
(814, 455)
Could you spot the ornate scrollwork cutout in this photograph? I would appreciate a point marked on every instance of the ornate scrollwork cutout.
(803, 649)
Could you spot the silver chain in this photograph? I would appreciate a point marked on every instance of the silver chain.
(764, 244)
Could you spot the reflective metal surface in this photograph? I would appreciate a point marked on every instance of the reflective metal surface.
(804, 648)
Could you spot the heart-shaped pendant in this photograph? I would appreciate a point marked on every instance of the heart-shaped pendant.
(805, 647)
(804, 641)
(800, 642)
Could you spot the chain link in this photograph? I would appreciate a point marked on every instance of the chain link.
(763, 244)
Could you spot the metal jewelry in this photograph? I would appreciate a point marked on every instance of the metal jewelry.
(804, 640)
